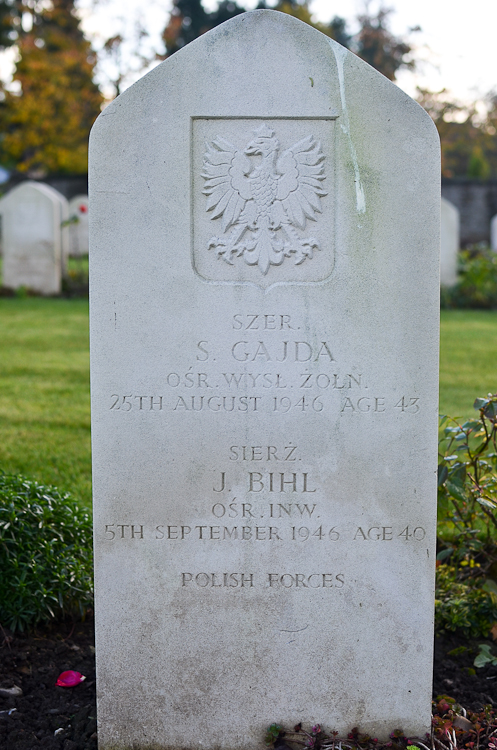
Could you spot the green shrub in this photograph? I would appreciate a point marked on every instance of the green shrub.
(466, 593)
(467, 486)
(45, 554)
(463, 605)
(477, 282)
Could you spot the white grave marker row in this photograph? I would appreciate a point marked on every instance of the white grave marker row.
(78, 227)
(34, 240)
(449, 243)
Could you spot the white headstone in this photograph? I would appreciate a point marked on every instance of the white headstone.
(493, 233)
(264, 323)
(32, 239)
(64, 209)
(449, 243)
(78, 226)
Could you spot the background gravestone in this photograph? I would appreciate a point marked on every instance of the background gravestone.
(493, 233)
(78, 230)
(449, 243)
(33, 237)
(264, 323)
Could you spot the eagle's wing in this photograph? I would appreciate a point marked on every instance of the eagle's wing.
(226, 184)
(300, 184)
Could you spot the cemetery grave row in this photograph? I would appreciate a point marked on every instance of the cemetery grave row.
(40, 230)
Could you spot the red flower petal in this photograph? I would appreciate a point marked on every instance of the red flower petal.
(69, 679)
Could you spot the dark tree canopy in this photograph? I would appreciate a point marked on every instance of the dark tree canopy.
(377, 45)
(189, 20)
(374, 43)
(10, 22)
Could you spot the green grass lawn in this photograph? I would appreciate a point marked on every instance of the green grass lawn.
(44, 384)
(44, 392)
(468, 359)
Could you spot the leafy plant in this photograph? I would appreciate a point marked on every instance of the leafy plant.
(477, 283)
(467, 487)
(272, 733)
(466, 594)
(76, 278)
(45, 554)
(485, 656)
(453, 728)
(463, 605)
(317, 739)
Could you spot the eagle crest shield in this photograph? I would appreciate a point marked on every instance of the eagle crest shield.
(264, 198)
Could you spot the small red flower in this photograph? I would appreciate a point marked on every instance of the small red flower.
(83, 209)
(70, 679)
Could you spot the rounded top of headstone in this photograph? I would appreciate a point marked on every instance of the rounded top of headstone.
(37, 188)
(449, 208)
(271, 49)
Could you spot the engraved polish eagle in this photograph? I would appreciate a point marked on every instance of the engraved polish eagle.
(264, 200)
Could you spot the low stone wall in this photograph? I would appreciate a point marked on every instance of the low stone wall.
(68, 185)
(477, 204)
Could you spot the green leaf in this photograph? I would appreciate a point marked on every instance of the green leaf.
(485, 502)
(471, 424)
(490, 585)
(480, 403)
(443, 473)
(451, 430)
(490, 411)
(481, 660)
(485, 656)
(456, 490)
(444, 554)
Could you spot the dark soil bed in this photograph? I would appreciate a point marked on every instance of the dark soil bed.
(56, 718)
(33, 663)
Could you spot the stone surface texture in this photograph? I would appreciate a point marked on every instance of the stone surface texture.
(33, 238)
(264, 269)
(78, 230)
(449, 246)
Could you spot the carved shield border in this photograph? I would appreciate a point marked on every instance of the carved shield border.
(207, 263)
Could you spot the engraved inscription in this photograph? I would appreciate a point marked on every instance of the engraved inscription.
(115, 532)
(261, 322)
(218, 580)
(272, 405)
(269, 368)
(263, 453)
(272, 580)
(264, 196)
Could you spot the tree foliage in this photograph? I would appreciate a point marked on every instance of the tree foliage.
(46, 122)
(469, 145)
(189, 20)
(377, 45)
(374, 42)
(10, 21)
